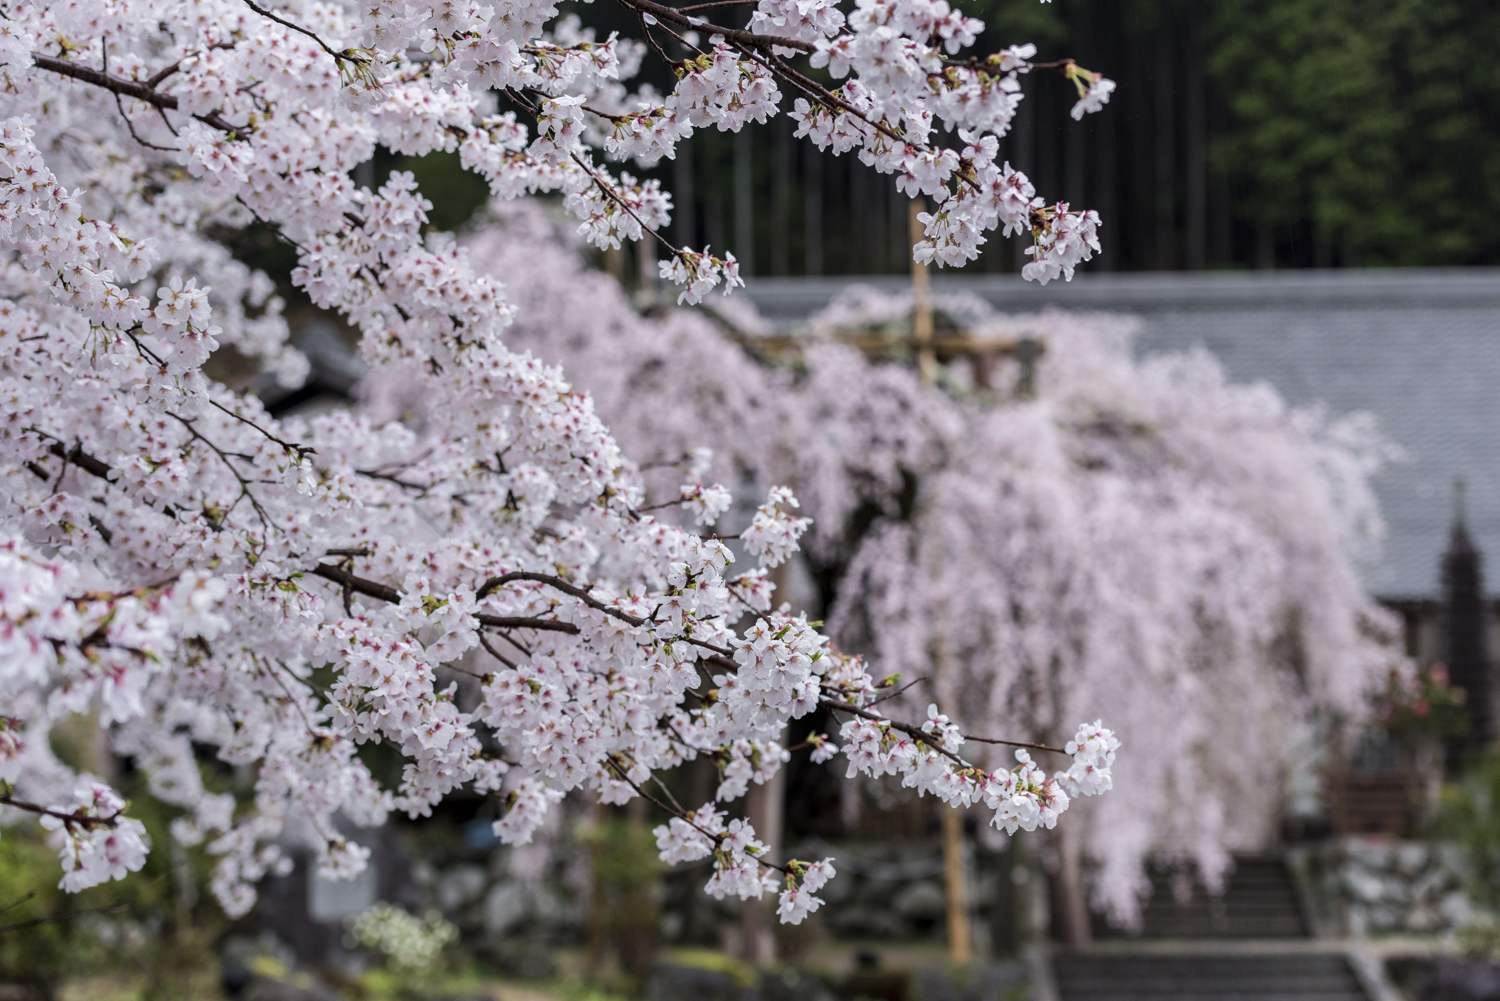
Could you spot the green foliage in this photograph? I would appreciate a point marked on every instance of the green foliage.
(624, 854)
(744, 974)
(1480, 939)
(1471, 818)
(455, 193)
(625, 904)
(1371, 125)
(40, 953)
(576, 990)
(147, 928)
(1009, 20)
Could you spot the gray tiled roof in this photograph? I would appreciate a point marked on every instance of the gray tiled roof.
(1420, 349)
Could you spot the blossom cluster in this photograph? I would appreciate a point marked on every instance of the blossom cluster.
(803, 881)
(699, 273)
(481, 584)
(1022, 798)
(94, 842)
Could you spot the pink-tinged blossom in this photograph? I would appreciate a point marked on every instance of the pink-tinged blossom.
(202, 576)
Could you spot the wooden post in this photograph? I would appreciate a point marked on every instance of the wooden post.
(921, 308)
(956, 883)
(757, 922)
(646, 271)
(614, 263)
(744, 202)
(1072, 907)
(955, 879)
(766, 812)
(595, 935)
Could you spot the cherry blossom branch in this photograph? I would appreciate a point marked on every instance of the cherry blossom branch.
(124, 116)
(86, 821)
(583, 594)
(273, 16)
(388, 594)
(676, 810)
(129, 88)
(298, 452)
(160, 76)
(76, 456)
(826, 97)
(715, 4)
(618, 199)
(898, 692)
(737, 36)
(722, 658)
(918, 733)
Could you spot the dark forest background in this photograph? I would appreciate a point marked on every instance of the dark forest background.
(1244, 134)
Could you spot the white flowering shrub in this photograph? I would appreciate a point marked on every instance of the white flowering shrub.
(409, 943)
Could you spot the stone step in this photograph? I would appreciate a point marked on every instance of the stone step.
(1096, 977)
(1245, 994)
(1237, 930)
(1240, 901)
(1259, 900)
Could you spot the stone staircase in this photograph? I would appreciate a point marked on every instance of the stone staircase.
(1259, 902)
(1208, 977)
(1250, 944)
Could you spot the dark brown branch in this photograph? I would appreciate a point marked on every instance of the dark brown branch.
(715, 4)
(83, 820)
(736, 36)
(384, 592)
(917, 733)
(127, 88)
(273, 16)
(583, 594)
(677, 810)
(78, 457)
(897, 693)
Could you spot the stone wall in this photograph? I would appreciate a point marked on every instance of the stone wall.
(895, 890)
(1374, 886)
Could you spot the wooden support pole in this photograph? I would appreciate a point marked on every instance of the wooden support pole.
(766, 810)
(921, 311)
(956, 883)
(955, 873)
